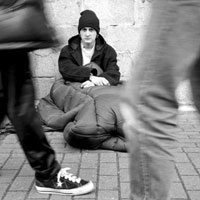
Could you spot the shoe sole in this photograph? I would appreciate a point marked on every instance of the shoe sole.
(89, 187)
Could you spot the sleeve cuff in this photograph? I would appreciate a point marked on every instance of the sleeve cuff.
(94, 72)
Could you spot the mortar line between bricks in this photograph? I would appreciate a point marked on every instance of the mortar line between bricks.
(32, 184)
(79, 168)
(197, 171)
(186, 191)
(10, 154)
(191, 162)
(16, 175)
(182, 183)
(118, 176)
(196, 145)
(98, 174)
(61, 161)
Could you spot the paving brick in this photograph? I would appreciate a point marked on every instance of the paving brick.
(38, 199)
(198, 170)
(123, 155)
(88, 198)
(190, 140)
(3, 189)
(194, 195)
(124, 175)
(10, 139)
(71, 149)
(181, 136)
(11, 146)
(72, 157)
(33, 194)
(188, 127)
(73, 167)
(58, 140)
(108, 169)
(18, 155)
(3, 158)
(195, 159)
(177, 191)
(176, 178)
(85, 197)
(123, 163)
(108, 157)
(5, 151)
(89, 174)
(187, 144)
(196, 136)
(7, 176)
(21, 184)
(191, 182)
(194, 155)
(26, 170)
(178, 199)
(90, 156)
(15, 195)
(125, 190)
(82, 198)
(177, 150)
(59, 156)
(108, 182)
(18, 151)
(60, 197)
(13, 163)
(198, 144)
(181, 157)
(108, 195)
(89, 164)
(186, 169)
(192, 150)
(89, 160)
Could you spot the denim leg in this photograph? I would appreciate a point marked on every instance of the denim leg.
(149, 103)
(195, 83)
(19, 92)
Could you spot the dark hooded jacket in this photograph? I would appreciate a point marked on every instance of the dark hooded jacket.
(71, 65)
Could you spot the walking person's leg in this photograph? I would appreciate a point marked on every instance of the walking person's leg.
(2, 101)
(195, 83)
(50, 178)
(149, 103)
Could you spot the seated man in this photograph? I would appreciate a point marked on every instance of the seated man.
(89, 116)
(86, 53)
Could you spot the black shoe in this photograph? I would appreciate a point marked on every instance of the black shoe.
(64, 184)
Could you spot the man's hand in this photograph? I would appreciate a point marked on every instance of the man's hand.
(87, 84)
(99, 80)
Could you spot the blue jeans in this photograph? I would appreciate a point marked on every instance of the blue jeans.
(149, 106)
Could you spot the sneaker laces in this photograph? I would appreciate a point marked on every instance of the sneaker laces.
(63, 173)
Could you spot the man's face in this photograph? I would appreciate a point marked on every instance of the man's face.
(88, 35)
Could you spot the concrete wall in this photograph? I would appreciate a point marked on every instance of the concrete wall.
(123, 24)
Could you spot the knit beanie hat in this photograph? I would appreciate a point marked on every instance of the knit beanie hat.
(88, 19)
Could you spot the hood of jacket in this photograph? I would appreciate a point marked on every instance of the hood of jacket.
(74, 42)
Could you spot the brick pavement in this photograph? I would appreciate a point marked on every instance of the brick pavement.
(107, 169)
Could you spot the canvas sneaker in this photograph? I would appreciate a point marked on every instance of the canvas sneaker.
(64, 183)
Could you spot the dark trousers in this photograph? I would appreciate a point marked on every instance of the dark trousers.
(17, 102)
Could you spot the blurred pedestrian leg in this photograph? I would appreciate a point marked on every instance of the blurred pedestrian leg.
(149, 106)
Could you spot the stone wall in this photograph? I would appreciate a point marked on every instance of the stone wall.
(122, 23)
